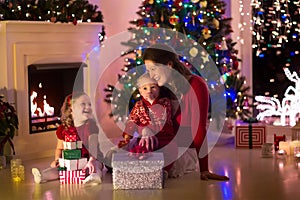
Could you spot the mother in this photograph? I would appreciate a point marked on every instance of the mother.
(163, 64)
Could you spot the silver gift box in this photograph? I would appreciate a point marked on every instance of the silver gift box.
(130, 172)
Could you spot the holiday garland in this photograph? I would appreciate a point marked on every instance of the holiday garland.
(50, 10)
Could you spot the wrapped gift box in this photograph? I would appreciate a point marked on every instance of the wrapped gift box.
(71, 154)
(132, 173)
(70, 138)
(242, 138)
(73, 145)
(71, 177)
(73, 164)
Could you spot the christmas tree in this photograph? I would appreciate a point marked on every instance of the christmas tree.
(197, 21)
(50, 10)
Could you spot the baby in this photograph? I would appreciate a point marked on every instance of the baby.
(151, 117)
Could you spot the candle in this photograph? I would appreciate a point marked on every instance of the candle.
(285, 146)
(295, 147)
(17, 170)
(281, 152)
(267, 150)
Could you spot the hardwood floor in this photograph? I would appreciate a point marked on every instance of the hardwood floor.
(251, 177)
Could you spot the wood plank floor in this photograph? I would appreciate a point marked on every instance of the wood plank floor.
(251, 177)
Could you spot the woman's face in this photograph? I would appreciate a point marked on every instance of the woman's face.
(81, 109)
(159, 72)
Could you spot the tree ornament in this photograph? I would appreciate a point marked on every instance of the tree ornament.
(140, 23)
(71, 2)
(203, 4)
(162, 19)
(235, 65)
(224, 77)
(193, 52)
(195, 1)
(218, 46)
(224, 46)
(174, 19)
(178, 4)
(151, 1)
(223, 61)
(10, 5)
(75, 22)
(149, 24)
(53, 19)
(193, 20)
(216, 23)
(139, 53)
(206, 33)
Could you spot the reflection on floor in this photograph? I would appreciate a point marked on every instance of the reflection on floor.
(251, 177)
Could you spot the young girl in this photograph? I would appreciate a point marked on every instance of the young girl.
(76, 118)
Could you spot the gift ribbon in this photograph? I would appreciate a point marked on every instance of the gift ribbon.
(250, 135)
(250, 121)
(61, 168)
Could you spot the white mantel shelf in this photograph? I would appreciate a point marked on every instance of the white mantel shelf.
(32, 42)
(41, 27)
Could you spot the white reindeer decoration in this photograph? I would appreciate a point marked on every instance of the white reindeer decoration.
(290, 104)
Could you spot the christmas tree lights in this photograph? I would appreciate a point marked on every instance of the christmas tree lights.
(274, 25)
(50, 10)
(202, 22)
(276, 41)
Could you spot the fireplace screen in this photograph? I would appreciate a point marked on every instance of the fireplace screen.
(48, 85)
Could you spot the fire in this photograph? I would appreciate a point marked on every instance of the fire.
(38, 112)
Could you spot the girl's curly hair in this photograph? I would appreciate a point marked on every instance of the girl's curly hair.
(66, 109)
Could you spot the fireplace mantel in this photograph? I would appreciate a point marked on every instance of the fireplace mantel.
(27, 42)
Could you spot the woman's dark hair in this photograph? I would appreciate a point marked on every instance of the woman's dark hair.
(163, 54)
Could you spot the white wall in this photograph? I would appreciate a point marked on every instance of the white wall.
(118, 13)
(116, 16)
(245, 47)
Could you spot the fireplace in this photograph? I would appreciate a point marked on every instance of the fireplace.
(38, 44)
(48, 85)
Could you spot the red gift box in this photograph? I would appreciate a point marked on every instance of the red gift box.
(242, 135)
(70, 138)
(71, 177)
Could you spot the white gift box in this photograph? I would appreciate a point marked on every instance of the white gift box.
(61, 162)
(131, 173)
(73, 164)
(73, 145)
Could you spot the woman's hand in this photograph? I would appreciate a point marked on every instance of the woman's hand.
(90, 165)
(206, 175)
(149, 140)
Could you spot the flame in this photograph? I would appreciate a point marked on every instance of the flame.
(36, 111)
(48, 110)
